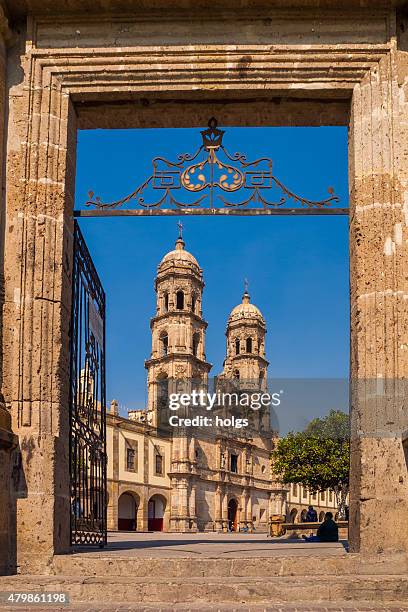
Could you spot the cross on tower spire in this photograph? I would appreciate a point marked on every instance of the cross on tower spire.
(245, 297)
(180, 241)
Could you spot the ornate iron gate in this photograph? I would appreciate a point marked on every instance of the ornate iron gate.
(87, 401)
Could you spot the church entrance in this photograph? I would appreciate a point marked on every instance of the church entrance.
(155, 513)
(233, 515)
(127, 512)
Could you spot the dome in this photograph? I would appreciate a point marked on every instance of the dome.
(179, 256)
(245, 310)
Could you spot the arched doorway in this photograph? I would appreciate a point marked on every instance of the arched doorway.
(303, 515)
(293, 515)
(155, 513)
(232, 514)
(127, 512)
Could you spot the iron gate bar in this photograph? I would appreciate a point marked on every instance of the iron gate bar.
(212, 181)
(249, 212)
(87, 453)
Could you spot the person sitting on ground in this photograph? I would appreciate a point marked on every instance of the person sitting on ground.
(311, 515)
(327, 532)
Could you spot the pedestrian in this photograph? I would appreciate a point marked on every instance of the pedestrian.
(311, 515)
(327, 532)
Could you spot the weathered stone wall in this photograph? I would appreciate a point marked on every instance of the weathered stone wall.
(7, 439)
(379, 322)
(258, 66)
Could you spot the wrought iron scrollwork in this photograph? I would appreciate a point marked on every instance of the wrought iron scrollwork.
(214, 175)
(88, 459)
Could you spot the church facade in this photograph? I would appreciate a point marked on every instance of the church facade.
(196, 479)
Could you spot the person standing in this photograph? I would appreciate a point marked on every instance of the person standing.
(311, 516)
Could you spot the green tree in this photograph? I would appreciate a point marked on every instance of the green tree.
(318, 458)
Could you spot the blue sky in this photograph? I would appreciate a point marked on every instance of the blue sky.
(297, 267)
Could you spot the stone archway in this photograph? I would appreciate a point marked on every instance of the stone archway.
(293, 515)
(341, 77)
(232, 514)
(156, 510)
(128, 505)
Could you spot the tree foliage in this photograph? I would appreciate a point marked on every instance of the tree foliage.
(317, 458)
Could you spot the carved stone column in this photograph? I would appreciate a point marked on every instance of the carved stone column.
(38, 266)
(8, 441)
(218, 508)
(379, 317)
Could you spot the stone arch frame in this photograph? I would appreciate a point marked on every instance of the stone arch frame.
(180, 303)
(63, 87)
(293, 515)
(193, 302)
(165, 301)
(167, 507)
(163, 342)
(249, 344)
(126, 489)
(134, 491)
(138, 492)
(237, 345)
(236, 498)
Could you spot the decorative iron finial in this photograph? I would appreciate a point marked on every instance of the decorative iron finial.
(212, 137)
(245, 285)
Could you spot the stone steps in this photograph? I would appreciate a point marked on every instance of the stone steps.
(256, 567)
(164, 591)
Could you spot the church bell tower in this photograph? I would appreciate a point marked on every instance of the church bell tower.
(177, 364)
(178, 328)
(245, 361)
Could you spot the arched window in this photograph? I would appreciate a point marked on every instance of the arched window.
(237, 346)
(180, 300)
(166, 302)
(164, 344)
(193, 302)
(236, 374)
(249, 345)
(196, 342)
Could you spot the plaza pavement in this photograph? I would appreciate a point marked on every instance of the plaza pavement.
(174, 545)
